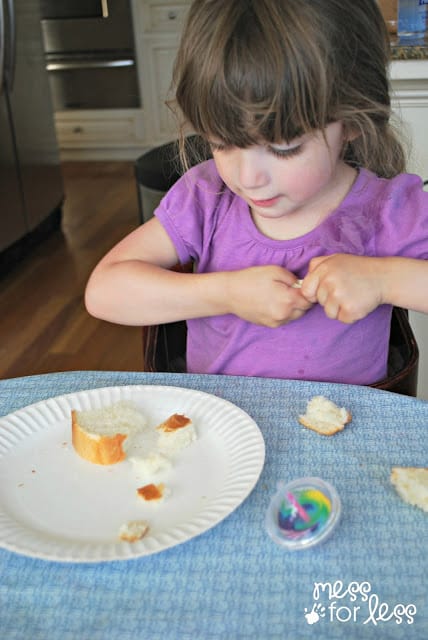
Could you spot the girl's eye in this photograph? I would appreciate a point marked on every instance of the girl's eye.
(286, 153)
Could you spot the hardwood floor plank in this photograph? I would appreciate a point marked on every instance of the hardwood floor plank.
(43, 325)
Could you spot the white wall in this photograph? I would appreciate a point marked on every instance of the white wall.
(410, 99)
(419, 322)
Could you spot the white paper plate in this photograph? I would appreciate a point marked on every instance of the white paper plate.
(57, 506)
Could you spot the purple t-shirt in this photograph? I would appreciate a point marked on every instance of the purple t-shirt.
(213, 227)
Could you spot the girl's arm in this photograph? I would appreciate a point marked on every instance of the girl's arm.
(133, 285)
(350, 287)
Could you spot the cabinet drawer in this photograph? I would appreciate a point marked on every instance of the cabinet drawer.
(165, 17)
(103, 131)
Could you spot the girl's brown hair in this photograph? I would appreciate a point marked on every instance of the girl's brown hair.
(271, 70)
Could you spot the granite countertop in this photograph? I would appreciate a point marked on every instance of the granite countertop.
(409, 49)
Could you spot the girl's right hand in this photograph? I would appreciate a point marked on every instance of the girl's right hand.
(265, 295)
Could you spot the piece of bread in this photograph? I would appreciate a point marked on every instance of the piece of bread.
(176, 433)
(324, 417)
(133, 530)
(411, 484)
(151, 464)
(98, 435)
(152, 492)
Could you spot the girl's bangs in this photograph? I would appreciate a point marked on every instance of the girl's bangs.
(242, 112)
(263, 76)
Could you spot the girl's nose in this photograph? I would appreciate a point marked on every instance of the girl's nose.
(252, 170)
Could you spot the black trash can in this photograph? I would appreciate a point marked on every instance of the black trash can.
(159, 168)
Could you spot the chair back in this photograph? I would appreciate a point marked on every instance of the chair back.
(164, 349)
(403, 357)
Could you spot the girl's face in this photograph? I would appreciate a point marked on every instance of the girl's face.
(289, 187)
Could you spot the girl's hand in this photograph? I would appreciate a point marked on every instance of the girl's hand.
(265, 295)
(348, 287)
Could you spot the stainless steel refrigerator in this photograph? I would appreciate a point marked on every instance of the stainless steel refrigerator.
(31, 187)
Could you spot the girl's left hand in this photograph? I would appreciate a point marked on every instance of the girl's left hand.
(348, 287)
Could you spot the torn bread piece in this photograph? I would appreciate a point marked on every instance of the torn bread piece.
(98, 435)
(176, 433)
(297, 284)
(133, 530)
(151, 464)
(324, 417)
(411, 484)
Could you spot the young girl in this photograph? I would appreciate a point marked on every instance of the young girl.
(305, 184)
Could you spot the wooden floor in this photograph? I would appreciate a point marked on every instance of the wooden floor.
(43, 323)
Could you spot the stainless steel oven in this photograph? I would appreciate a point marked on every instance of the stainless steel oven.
(90, 54)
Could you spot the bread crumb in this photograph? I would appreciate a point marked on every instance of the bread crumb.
(151, 464)
(133, 530)
(152, 492)
(411, 484)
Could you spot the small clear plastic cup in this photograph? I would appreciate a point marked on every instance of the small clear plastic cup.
(303, 513)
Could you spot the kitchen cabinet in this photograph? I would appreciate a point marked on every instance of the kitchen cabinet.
(409, 81)
(123, 134)
(100, 134)
(162, 22)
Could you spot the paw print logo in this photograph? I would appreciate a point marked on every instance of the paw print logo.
(315, 614)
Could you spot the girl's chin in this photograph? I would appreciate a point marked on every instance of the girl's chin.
(270, 214)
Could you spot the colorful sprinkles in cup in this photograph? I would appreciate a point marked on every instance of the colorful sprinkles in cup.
(303, 513)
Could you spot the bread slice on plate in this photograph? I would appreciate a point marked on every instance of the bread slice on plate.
(324, 417)
(411, 484)
(98, 435)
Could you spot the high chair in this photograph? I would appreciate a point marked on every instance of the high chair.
(164, 349)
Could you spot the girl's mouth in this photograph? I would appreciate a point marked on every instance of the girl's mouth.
(265, 203)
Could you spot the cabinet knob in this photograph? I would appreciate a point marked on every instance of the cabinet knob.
(78, 129)
(172, 15)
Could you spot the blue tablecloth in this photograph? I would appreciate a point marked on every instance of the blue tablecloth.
(233, 582)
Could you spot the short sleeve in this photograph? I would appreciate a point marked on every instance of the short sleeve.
(189, 210)
(402, 227)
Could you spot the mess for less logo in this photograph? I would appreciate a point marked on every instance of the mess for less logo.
(354, 602)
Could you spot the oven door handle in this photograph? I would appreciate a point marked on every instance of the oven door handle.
(104, 8)
(89, 64)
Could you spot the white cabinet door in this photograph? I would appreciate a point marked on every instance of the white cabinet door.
(161, 125)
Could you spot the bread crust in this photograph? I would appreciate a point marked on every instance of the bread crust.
(330, 431)
(173, 423)
(95, 448)
(151, 492)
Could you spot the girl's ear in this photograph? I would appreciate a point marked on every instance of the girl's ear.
(349, 135)
(353, 135)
